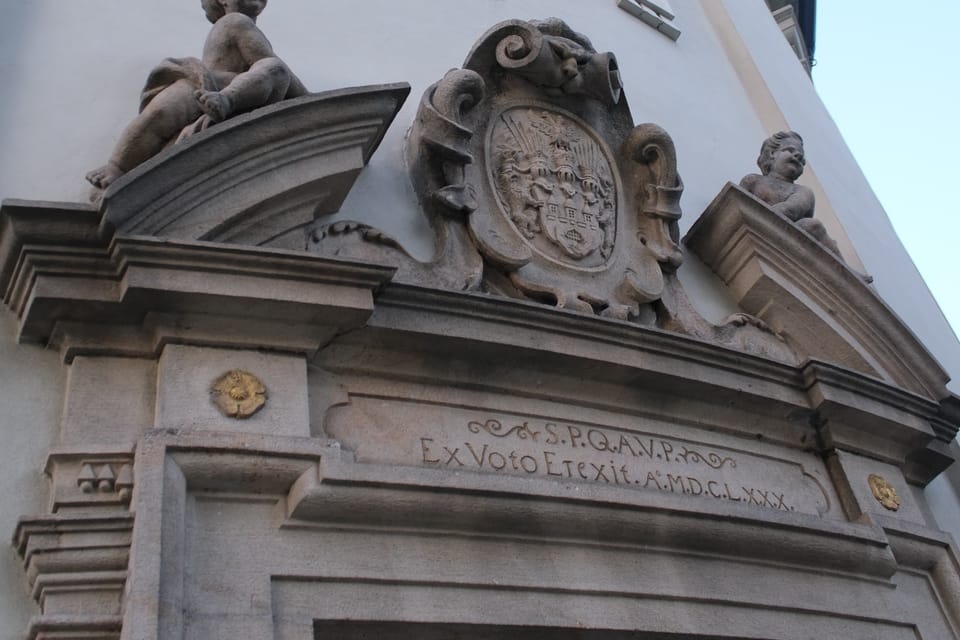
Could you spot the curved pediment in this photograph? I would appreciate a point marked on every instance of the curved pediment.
(822, 308)
(258, 178)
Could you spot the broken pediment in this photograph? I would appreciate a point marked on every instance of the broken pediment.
(260, 177)
(822, 308)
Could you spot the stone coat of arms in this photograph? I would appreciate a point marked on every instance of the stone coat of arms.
(536, 181)
(555, 183)
(566, 201)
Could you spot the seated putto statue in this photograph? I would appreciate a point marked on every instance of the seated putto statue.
(781, 161)
(238, 72)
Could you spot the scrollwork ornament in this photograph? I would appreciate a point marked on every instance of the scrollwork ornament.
(884, 492)
(711, 459)
(238, 394)
(495, 428)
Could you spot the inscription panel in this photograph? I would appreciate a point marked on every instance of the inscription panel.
(457, 439)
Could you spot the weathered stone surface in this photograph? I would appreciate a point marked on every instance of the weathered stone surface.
(74, 283)
(426, 458)
(398, 535)
(186, 375)
(639, 456)
(858, 496)
(77, 566)
(239, 72)
(781, 162)
(108, 401)
(429, 447)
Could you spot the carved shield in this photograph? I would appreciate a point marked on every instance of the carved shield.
(554, 183)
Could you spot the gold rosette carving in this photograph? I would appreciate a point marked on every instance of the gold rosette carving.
(884, 492)
(238, 394)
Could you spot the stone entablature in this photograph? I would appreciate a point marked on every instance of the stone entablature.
(405, 408)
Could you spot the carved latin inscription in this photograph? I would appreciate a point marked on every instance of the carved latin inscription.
(639, 456)
(555, 184)
(597, 454)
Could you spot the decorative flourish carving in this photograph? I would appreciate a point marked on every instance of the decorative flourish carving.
(745, 319)
(658, 189)
(238, 394)
(441, 147)
(711, 459)
(551, 55)
(443, 115)
(496, 429)
(347, 227)
(884, 492)
(239, 72)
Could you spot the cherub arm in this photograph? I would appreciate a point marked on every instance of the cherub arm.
(266, 80)
(254, 47)
(749, 182)
(242, 33)
(798, 204)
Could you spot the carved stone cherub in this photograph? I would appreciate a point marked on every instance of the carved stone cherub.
(781, 161)
(238, 72)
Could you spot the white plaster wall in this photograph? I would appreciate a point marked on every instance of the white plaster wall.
(31, 388)
(71, 72)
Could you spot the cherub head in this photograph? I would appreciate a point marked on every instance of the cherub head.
(782, 156)
(216, 9)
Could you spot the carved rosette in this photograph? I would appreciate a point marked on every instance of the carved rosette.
(238, 394)
(883, 492)
(532, 148)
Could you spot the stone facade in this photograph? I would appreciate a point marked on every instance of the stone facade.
(281, 422)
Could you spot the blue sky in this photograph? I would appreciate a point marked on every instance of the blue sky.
(888, 72)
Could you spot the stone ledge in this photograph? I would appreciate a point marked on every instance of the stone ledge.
(321, 483)
(62, 627)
